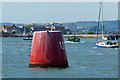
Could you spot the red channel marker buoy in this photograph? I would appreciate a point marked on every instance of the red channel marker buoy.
(48, 50)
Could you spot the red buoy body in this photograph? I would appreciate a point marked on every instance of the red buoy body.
(48, 50)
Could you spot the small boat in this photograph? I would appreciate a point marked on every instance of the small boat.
(70, 42)
(73, 39)
(29, 38)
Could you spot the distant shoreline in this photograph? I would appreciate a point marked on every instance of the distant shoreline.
(84, 35)
(80, 35)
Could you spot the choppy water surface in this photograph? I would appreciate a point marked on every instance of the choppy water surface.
(85, 61)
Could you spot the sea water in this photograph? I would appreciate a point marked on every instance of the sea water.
(85, 60)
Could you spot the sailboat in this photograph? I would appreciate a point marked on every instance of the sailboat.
(104, 43)
(24, 34)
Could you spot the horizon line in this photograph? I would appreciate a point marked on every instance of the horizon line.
(56, 21)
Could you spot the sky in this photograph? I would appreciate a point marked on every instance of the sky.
(38, 12)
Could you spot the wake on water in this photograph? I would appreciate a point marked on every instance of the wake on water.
(74, 42)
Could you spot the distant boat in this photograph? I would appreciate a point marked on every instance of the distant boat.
(105, 43)
(27, 38)
(110, 37)
(73, 39)
(70, 42)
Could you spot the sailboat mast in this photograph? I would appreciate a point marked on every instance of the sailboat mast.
(102, 20)
(99, 20)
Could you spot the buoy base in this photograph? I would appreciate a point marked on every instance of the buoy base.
(48, 65)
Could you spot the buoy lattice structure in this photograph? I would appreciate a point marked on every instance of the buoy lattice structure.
(48, 50)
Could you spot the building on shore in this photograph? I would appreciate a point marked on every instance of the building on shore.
(8, 30)
(51, 26)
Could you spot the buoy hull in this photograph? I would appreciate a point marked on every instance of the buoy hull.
(48, 50)
(46, 65)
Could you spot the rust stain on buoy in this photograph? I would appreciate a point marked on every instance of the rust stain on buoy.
(48, 50)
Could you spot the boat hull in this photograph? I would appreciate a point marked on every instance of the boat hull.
(107, 46)
(27, 39)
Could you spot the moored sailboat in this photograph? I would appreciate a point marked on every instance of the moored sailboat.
(105, 43)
